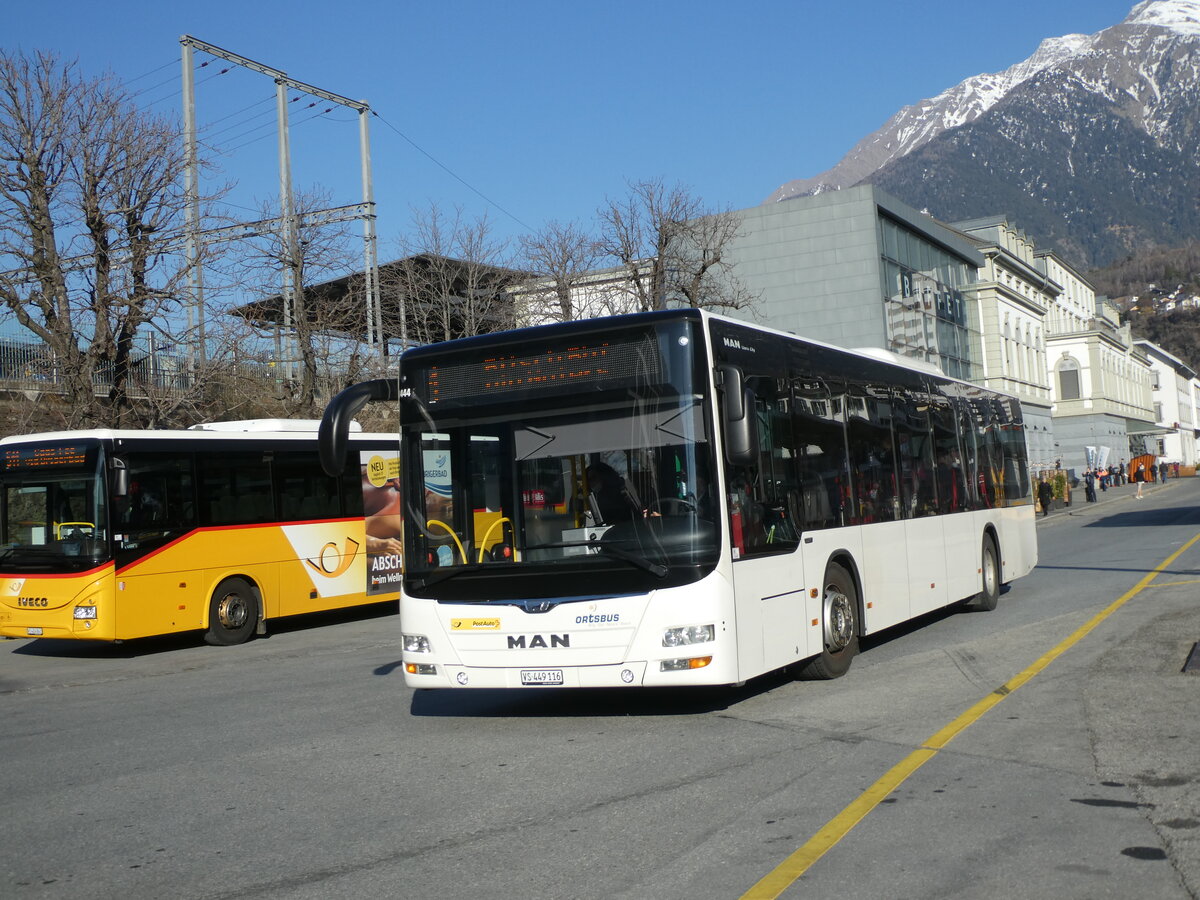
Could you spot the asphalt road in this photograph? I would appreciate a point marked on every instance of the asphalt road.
(300, 766)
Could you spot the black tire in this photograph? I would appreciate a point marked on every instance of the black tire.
(839, 626)
(232, 613)
(989, 594)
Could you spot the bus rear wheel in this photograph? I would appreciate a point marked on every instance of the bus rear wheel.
(232, 613)
(839, 626)
(989, 568)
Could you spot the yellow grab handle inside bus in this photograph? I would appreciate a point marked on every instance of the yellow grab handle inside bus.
(483, 544)
(449, 531)
(59, 526)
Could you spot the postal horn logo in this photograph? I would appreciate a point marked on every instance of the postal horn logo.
(330, 562)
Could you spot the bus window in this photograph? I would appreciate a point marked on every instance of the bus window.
(160, 501)
(915, 454)
(235, 489)
(765, 498)
(822, 473)
(303, 492)
(872, 457)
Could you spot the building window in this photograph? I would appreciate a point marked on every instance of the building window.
(1068, 380)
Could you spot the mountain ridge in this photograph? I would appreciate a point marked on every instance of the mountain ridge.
(1080, 144)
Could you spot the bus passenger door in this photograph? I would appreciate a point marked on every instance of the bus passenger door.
(768, 571)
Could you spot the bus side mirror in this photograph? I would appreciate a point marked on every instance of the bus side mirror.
(120, 478)
(332, 436)
(738, 420)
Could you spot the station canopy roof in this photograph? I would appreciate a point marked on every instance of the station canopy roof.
(339, 305)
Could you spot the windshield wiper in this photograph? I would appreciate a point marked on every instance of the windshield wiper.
(437, 576)
(655, 569)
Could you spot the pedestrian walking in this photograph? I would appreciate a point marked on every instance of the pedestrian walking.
(1045, 495)
(1162, 472)
(1139, 476)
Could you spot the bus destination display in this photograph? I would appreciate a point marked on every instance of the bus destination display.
(607, 363)
(65, 456)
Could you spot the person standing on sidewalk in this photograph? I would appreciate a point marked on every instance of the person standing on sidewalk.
(1089, 490)
(1139, 476)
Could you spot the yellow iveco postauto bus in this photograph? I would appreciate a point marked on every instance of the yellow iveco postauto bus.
(112, 534)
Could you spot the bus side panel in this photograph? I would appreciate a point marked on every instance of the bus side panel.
(159, 602)
(770, 612)
(169, 590)
(883, 568)
(327, 568)
(928, 571)
(1017, 530)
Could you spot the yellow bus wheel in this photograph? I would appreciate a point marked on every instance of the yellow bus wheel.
(232, 613)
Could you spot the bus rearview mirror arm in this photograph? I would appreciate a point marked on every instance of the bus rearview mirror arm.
(333, 434)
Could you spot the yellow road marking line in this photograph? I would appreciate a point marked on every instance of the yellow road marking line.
(787, 872)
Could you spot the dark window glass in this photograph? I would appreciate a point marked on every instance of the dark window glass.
(822, 472)
(914, 447)
(304, 491)
(1068, 383)
(161, 500)
(235, 489)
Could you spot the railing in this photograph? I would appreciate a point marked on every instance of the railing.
(26, 366)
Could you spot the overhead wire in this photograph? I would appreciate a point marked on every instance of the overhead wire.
(437, 162)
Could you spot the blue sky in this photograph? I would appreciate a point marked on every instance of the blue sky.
(547, 108)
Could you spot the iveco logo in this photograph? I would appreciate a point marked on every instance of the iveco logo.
(529, 642)
(32, 601)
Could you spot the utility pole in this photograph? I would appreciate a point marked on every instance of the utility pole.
(290, 288)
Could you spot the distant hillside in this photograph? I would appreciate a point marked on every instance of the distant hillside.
(1176, 332)
(1167, 269)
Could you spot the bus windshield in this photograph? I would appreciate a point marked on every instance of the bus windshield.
(54, 516)
(565, 497)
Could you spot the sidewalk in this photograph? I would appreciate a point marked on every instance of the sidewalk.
(1127, 491)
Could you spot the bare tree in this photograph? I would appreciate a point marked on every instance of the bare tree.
(561, 258)
(285, 266)
(452, 278)
(90, 200)
(673, 250)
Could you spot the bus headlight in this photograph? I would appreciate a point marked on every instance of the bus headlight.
(85, 612)
(688, 634)
(415, 643)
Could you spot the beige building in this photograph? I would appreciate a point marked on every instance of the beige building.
(1012, 299)
(1100, 379)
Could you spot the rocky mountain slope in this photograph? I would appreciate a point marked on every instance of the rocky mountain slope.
(1090, 145)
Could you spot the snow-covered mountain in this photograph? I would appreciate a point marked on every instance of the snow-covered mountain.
(1126, 99)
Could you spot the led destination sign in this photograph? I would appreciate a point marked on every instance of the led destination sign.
(62, 456)
(606, 364)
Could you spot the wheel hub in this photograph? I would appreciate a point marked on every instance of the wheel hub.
(232, 611)
(839, 619)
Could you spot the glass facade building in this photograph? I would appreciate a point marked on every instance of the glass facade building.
(925, 308)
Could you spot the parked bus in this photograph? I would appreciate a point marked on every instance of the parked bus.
(113, 535)
(677, 498)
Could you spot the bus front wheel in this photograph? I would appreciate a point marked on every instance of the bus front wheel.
(839, 626)
(232, 613)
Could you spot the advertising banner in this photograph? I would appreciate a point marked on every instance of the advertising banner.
(381, 509)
